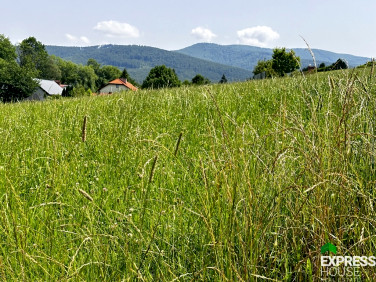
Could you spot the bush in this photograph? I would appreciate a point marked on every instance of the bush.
(161, 77)
(200, 80)
(80, 91)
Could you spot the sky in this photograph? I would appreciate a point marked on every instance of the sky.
(340, 26)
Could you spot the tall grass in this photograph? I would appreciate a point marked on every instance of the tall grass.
(226, 182)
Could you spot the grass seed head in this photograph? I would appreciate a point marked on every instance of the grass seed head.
(86, 195)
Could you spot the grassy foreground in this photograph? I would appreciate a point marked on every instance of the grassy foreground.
(227, 182)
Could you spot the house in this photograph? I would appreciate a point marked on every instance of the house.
(311, 69)
(117, 85)
(46, 88)
(61, 85)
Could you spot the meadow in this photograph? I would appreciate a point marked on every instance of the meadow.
(243, 181)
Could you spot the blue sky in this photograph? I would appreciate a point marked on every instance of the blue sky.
(340, 26)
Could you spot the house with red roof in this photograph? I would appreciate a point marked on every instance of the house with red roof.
(117, 85)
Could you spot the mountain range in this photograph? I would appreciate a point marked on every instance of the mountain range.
(236, 62)
(246, 57)
(138, 60)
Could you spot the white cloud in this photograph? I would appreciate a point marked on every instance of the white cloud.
(203, 34)
(70, 37)
(258, 36)
(117, 29)
(85, 40)
(77, 40)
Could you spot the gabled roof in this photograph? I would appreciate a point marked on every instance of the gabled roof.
(50, 87)
(123, 81)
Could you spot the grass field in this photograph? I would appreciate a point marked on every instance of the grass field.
(243, 181)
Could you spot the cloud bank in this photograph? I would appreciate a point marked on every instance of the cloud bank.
(117, 29)
(259, 36)
(77, 40)
(203, 34)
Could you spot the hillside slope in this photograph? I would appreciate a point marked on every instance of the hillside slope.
(246, 57)
(140, 59)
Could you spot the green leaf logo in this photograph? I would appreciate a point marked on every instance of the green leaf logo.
(328, 247)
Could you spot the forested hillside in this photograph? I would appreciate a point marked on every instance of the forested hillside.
(138, 60)
(237, 62)
(246, 57)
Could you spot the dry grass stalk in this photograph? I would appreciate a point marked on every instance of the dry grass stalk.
(331, 83)
(86, 195)
(310, 50)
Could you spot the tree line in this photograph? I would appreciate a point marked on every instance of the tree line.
(162, 77)
(284, 62)
(20, 65)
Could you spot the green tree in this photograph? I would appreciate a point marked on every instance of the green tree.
(16, 83)
(94, 64)
(86, 77)
(340, 64)
(223, 79)
(200, 80)
(50, 69)
(264, 66)
(33, 56)
(69, 72)
(125, 75)
(106, 74)
(7, 50)
(161, 76)
(77, 75)
(284, 62)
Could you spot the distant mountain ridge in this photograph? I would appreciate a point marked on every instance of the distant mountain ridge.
(211, 60)
(138, 60)
(246, 57)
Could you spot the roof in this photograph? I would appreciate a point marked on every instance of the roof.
(50, 87)
(61, 85)
(123, 81)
